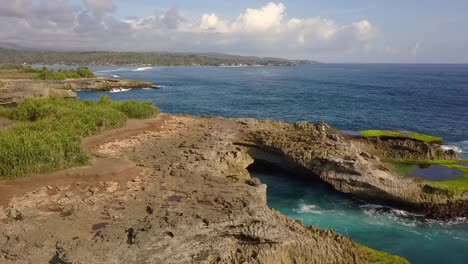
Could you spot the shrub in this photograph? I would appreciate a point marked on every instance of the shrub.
(46, 74)
(5, 112)
(134, 109)
(47, 134)
(32, 110)
(35, 148)
(131, 108)
(70, 74)
(84, 72)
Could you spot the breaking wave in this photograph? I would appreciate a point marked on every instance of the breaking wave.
(406, 218)
(460, 147)
(376, 208)
(452, 147)
(307, 209)
(112, 70)
(142, 69)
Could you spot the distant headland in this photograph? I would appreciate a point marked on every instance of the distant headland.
(29, 56)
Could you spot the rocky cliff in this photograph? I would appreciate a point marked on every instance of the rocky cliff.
(13, 91)
(174, 189)
(353, 165)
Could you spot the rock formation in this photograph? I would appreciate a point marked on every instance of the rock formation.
(175, 189)
(354, 165)
(14, 91)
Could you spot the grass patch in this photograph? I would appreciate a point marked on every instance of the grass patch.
(379, 257)
(399, 134)
(403, 168)
(47, 132)
(131, 108)
(46, 74)
(455, 187)
(12, 71)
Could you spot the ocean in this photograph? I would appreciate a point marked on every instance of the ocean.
(430, 99)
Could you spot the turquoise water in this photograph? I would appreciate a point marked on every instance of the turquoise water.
(430, 99)
(386, 229)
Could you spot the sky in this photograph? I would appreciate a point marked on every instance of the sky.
(358, 31)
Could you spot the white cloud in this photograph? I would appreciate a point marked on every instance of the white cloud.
(262, 31)
(100, 5)
(263, 19)
(16, 8)
(268, 26)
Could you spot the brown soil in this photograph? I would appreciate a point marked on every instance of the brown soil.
(100, 170)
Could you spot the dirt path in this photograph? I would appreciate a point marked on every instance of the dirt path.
(102, 168)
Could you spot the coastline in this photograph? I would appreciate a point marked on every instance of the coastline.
(13, 91)
(159, 205)
(279, 143)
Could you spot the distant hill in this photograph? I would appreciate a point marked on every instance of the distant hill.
(16, 55)
(9, 45)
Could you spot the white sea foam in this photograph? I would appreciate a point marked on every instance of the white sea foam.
(405, 218)
(373, 208)
(113, 70)
(307, 209)
(142, 69)
(115, 76)
(452, 147)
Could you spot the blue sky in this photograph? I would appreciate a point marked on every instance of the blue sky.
(334, 30)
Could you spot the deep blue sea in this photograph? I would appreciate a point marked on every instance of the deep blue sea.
(431, 99)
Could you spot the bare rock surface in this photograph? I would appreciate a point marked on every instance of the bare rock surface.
(13, 91)
(354, 165)
(180, 194)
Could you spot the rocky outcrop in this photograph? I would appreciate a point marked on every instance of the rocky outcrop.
(188, 199)
(102, 84)
(404, 149)
(354, 165)
(14, 91)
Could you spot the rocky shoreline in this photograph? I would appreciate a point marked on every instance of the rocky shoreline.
(355, 166)
(13, 91)
(174, 189)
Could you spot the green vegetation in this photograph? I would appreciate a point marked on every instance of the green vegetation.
(379, 257)
(135, 58)
(455, 187)
(46, 74)
(15, 71)
(403, 168)
(399, 134)
(47, 133)
(131, 108)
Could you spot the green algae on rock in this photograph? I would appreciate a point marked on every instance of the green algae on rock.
(400, 134)
(455, 186)
(379, 257)
(358, 166)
